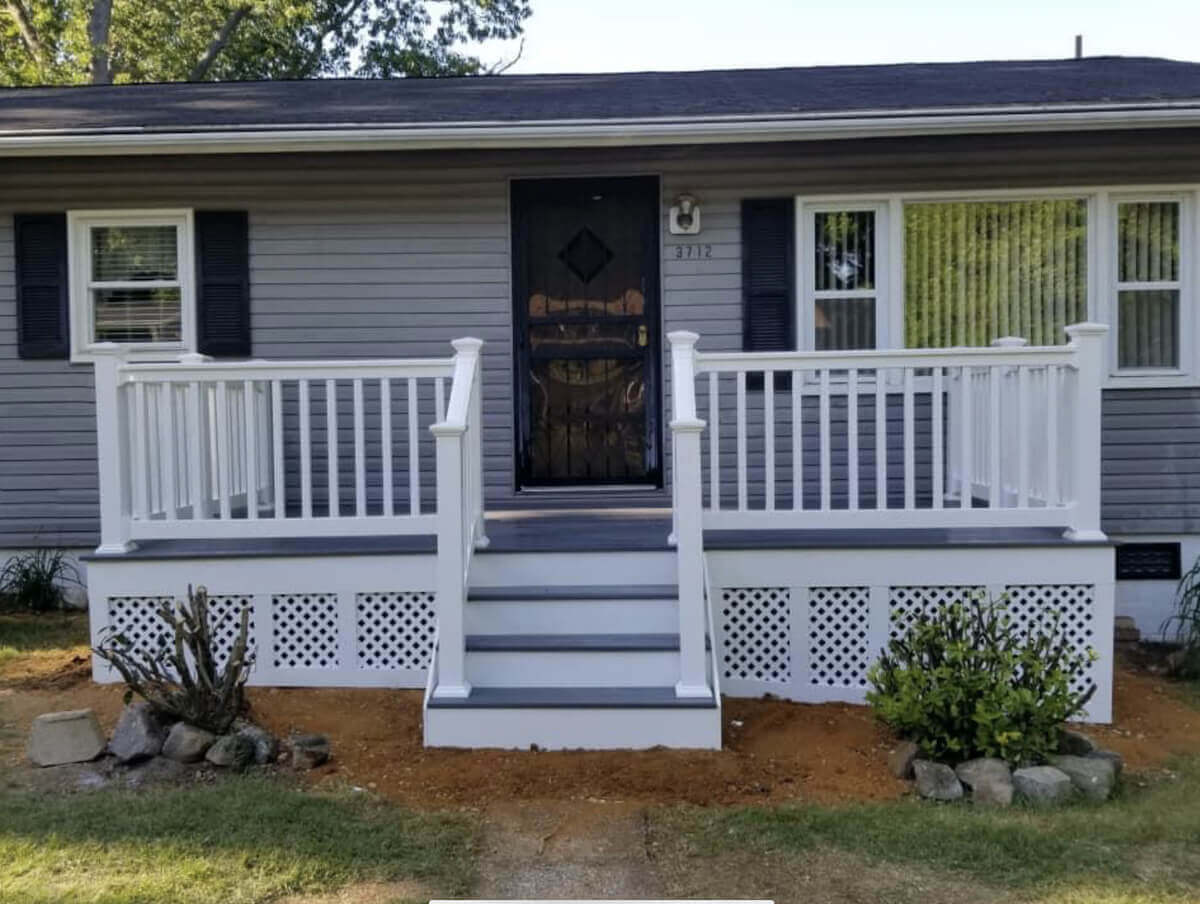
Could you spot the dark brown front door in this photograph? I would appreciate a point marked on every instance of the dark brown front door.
(585, 284)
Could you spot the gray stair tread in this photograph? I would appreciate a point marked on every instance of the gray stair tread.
(584, 643)
(573, 698)
(544, 593)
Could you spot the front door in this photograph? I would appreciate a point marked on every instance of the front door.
(585, 285)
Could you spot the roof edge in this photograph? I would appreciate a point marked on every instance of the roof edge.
(601, 133)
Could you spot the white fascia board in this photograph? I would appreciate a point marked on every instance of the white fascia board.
(596, 133)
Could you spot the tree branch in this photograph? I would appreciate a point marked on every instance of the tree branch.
(204, 64)
(501, 66)
(25, 27)
(98, 28)
(319, 45)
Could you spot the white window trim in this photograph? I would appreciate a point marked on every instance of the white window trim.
(79, 223)
(1101, 282)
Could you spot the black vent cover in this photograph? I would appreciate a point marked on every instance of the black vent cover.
(1148, 562)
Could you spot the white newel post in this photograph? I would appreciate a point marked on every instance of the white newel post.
(112, 453)
(686, 430)
(1088, 341)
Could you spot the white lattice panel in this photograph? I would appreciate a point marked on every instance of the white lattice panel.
(394, 630)
(225, 617)
(304, 630)
(1038, 605)
(907, 604)
(136, 618)
(839, 636)
(756, 634)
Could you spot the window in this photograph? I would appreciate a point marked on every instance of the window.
(1149, 284)
(132, 281)
(842, 269)
(975, 271)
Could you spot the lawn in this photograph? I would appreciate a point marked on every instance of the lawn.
(30, 644)
(237, 842)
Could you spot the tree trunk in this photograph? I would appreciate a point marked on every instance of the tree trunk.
(200, 70)
(98, 28)
(25, 28)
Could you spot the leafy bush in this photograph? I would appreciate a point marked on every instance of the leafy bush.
(965, 682)
(37, 580)
(182, 679)
(1183, 627)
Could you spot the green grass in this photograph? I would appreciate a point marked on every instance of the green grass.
(1143, 846)
(25, 637)
(239, 841)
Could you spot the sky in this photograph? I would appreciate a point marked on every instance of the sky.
(628, 35)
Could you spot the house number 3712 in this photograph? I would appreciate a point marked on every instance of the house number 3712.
(692, 252)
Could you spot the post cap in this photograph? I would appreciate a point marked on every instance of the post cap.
(683, 337)
(1086, 329)
(1010, 342)
(467, 345)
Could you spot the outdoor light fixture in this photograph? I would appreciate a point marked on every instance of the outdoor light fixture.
(685, 215)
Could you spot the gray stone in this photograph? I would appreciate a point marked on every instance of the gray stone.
(65, 737)
(936, 781)
(187, 743)
(231, 751)
(1112, 756)
(156, 772)
(266, 748)
(900, 760)
(309, 750)
(139, 734)
(1093, 776)
(1074, 743)
(990, 781)
(1042, 784)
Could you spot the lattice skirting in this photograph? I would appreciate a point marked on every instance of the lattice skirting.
(307, 626)
(807, 625)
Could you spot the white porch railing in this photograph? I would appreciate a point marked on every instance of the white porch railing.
(201, 449)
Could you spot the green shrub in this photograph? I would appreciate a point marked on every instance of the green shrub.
(37, 580)
(1183, 627)
(965, 682)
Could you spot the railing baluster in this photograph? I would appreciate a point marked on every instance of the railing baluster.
(197, 459)
(881, 448)
(825, 474)
(910, 442)
(714, 442)
(385, 439)
(331, 442)
(1052, 462)
(938, 474)
(414, 451)
(1022, 437)
(967, 436)
(769, 439)
(995, 488)
(797, 441)
(250, 405)
(439, 398)
(278, 485)
(223, 439)
(741, 441)
(852, 439)
(168, 455)
(360, 454)
(306, 507)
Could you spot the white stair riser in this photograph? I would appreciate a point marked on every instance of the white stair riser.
(574, 668)
(573, 617)
(558, 729)
(542, 569)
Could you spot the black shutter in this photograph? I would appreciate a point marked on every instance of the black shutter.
(223, 283)
(42, 307)
(768, 275)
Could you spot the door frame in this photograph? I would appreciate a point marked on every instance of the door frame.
(548, 187)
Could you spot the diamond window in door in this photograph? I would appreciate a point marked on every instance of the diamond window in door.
(585, 255)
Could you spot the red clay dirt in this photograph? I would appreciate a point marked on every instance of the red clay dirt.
(774, 750)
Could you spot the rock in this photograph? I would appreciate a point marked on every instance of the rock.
(936, 781)
(266, 748)
(91, 776)
(139, 734)
(1074, 743)
(1125, 630)
(1112, 756)
(187, 743)
(1042, 784)
(989, 779)
(1093, 776)
(900, 760)
(309, 750)
(65, 737)
(156, 772)
(231, 751)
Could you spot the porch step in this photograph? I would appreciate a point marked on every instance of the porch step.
(575, 661)
(572, 643)
(574, 569)
(645, 609)
(574, 592)
(571, 717)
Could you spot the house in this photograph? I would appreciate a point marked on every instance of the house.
(581, 401)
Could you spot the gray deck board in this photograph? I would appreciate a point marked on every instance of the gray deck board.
(574, 592)
(572, 698)
(572, 643)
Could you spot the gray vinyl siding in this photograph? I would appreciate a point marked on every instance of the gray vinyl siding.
(394, 255)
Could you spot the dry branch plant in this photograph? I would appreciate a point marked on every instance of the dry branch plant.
(182, 679)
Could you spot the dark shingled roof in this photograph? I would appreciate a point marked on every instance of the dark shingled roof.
(820, 90)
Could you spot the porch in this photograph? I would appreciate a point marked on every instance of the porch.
(824, 499)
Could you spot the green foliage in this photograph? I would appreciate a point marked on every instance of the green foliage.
(37, 580)
(1183, 627)
(183, 679)
(47, 41)
(965, 682)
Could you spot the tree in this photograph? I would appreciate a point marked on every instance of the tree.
(106, 41)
